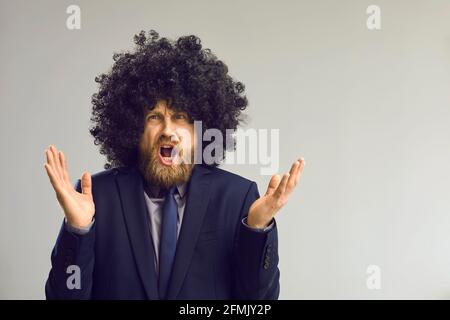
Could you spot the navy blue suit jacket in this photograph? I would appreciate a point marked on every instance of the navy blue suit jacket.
(217, 257)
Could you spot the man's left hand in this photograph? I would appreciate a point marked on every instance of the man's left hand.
(263, 210)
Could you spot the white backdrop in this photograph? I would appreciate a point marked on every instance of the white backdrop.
(368, 109)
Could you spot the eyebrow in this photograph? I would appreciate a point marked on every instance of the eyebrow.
(173, 112)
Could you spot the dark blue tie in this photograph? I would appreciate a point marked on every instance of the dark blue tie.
(168, 241)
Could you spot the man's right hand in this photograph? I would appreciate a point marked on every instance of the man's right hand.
(79, 208)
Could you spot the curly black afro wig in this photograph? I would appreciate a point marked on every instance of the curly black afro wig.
(192, 79)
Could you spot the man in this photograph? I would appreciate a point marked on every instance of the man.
(156, 224)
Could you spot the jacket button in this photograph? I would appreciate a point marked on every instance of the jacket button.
(266, 266)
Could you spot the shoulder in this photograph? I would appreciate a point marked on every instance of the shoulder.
(105, 177)
(232, 191)
(228, 176)
(224, 179)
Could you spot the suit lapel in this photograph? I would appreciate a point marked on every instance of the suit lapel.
(196, 205)
(131, 190)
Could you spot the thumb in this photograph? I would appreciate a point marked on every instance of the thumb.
(273, 184)
(86, 183)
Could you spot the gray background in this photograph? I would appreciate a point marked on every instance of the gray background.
(369, 111)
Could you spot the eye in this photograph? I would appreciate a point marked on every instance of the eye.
(180, 116)
(153, 117)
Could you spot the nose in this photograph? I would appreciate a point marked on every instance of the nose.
(169, 131)
(168, 128)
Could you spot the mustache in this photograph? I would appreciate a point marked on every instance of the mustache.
(167, 142)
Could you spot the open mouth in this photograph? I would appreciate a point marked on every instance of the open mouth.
(166, 154)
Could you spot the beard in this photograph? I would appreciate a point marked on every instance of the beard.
(156, 173)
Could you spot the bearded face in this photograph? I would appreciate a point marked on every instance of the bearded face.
(166, 149)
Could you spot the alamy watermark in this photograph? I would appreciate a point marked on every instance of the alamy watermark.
(373, 281)
(74, 280)
(73, 21)
(374, 19)
(253, 146)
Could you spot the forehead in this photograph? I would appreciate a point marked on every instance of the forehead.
(162, 107)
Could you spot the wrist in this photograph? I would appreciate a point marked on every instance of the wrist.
(79, 224)
(257, 223)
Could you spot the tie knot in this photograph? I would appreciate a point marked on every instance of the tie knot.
(172, 190)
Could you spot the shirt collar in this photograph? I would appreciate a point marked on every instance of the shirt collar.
(154, 191)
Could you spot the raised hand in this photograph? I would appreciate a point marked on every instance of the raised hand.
(79, 208)
(264, 209)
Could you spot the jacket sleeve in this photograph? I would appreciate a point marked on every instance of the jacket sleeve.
(256, 273)
(72, 259)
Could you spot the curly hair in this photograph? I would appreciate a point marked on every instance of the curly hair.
(192, 79)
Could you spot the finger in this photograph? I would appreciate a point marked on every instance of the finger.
(273, 184)
(282, 186)
(54, 161)
(86, 184)
(53, 179)
(63, 161)
(57, 163)
(51, 162)
(302, 165)
(293, 175)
